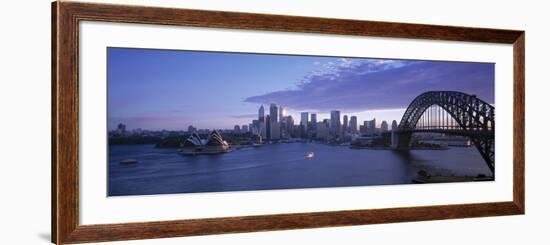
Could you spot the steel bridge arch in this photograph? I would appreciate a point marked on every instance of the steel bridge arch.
(474, 116)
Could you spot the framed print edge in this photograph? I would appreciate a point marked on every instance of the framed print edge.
(519, 123)
(65, 122)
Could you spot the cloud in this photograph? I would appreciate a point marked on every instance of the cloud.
(354, 85)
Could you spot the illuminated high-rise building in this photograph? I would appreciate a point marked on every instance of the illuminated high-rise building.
(353, 124)
(345, 125)
(273, 113)
(262, 124)
(369, 126)
(268, 127)
(313, 122)
(261, 114)
(304, 120)
(275, 127)
(323, 130)
(335, 124)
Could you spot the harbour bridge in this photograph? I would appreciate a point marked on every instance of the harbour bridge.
(451, 113)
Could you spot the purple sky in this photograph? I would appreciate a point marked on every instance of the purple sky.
(164, 89)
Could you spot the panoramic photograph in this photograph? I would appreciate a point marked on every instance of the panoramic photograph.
(184, 121)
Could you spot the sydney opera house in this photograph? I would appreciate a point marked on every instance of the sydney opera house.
(214, 144)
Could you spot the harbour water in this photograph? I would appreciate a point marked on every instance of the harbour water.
(278, 166)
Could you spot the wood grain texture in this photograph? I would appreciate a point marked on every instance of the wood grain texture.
(235, 20)
(149, 230)
(65, 121)
(519, 123)
(54, 123)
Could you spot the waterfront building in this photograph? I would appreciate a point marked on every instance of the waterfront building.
(304, 121)
(275, 131)
(353, 124)
(214, 144)
(282, 126)
(244, 129)
(193, 141)
(313, 122)
(237, 129)
(275, 126)
(296, 131)
(262, 124)
(268, 127)
(262, 129)
(323, 130)
(255, 127)
(369, 126)
(384, 126)
(289, 125)
(345, 125)
(335, 124)
(261, 114)
(273, 113)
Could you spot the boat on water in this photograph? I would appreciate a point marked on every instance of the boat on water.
(129, 161)
(310, 154)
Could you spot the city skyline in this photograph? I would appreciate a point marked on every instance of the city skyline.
(311, 117)
(166, 89)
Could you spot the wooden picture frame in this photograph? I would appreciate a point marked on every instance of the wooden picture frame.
(65, 121)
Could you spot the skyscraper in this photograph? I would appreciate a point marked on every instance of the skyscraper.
(335, 124)
(394, 124)
(384, 126)
(289, 123)
(353, 124)
(281, 113)
(273, 113)
(261, 113)
(275, 128)
(262, 124)
(323, 130)
(262, 129)
(304, 120)
(275, 131)
(313, 122)
(345, 126)
(370, 126)
(268, 127)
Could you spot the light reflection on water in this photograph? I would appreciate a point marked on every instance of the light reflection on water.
(278, 166)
